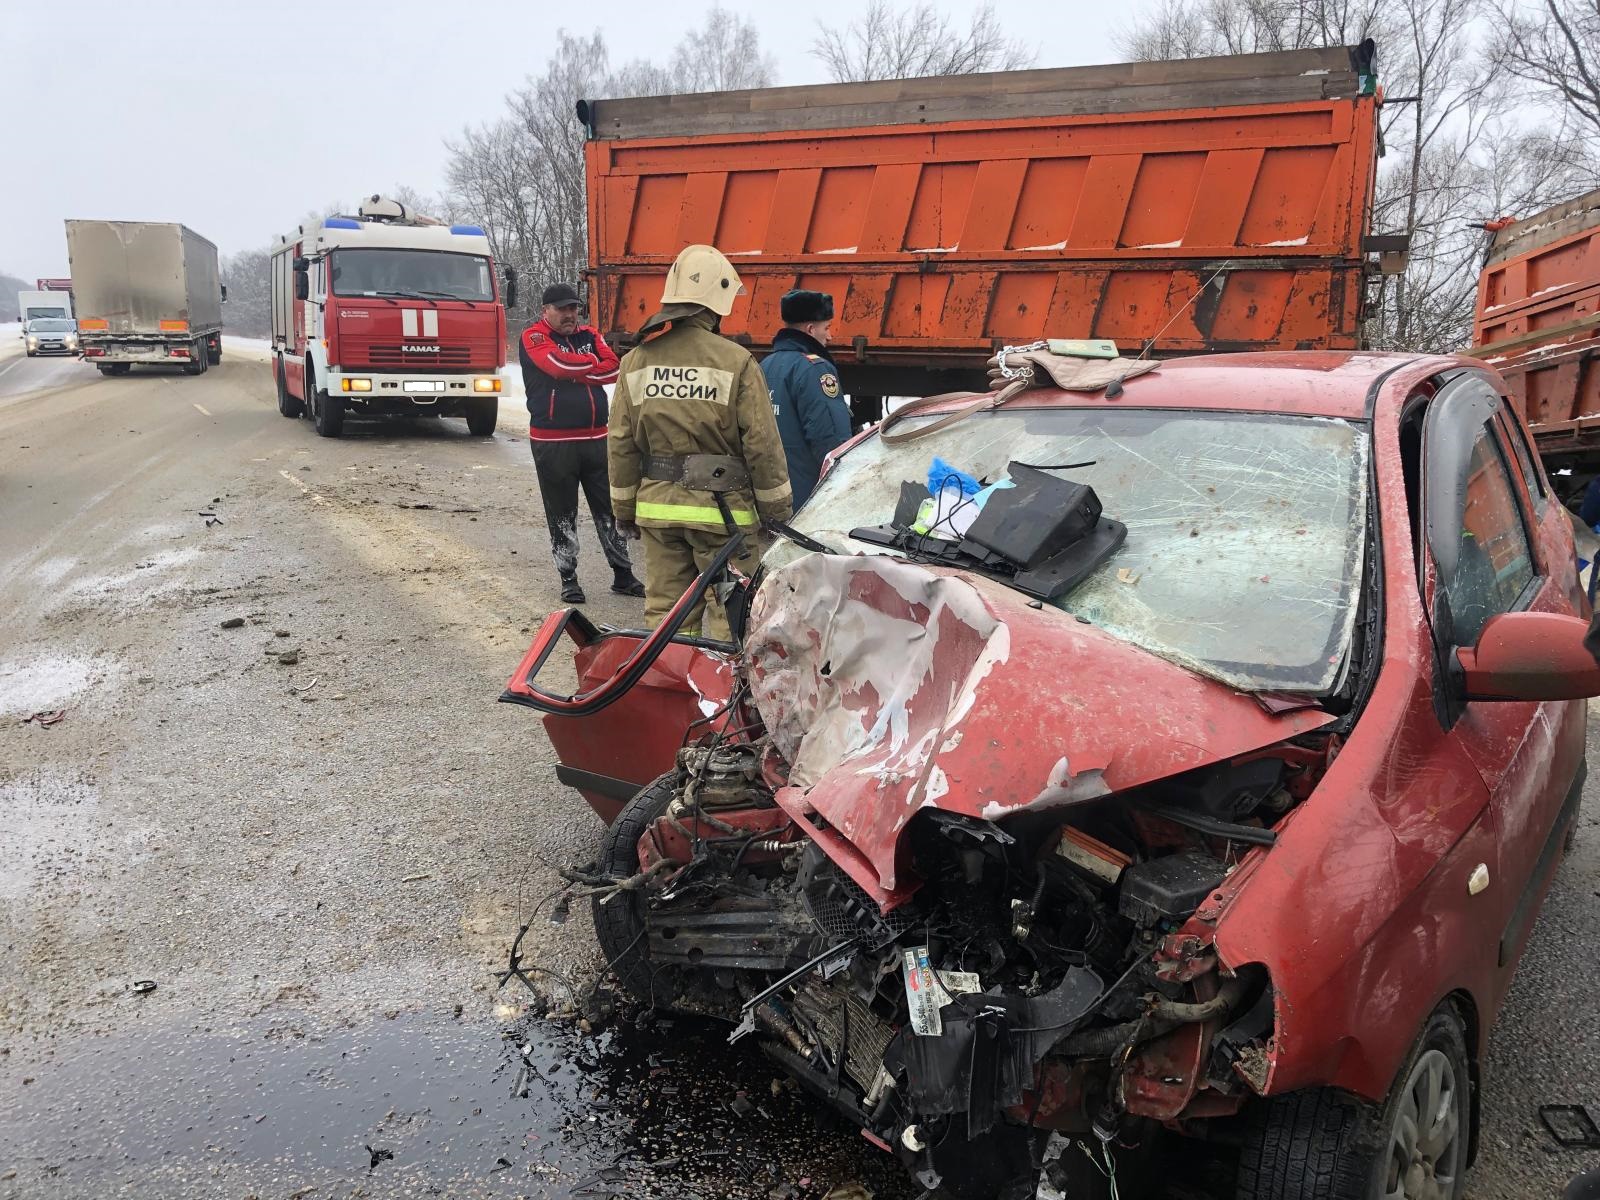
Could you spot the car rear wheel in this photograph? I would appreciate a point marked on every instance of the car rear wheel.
(619, 926)
(1325, 1145)
(288, 404)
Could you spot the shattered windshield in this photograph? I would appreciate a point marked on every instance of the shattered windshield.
(1245, 530)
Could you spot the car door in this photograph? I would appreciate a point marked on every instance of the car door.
(1485, 557)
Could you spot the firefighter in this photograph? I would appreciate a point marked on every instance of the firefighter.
(565, 367)
(812, 419)
(681, 393)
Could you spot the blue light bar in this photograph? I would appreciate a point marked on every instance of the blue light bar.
(468, 230)
(340, 223)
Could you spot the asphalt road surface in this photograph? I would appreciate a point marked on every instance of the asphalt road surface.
(315, 832)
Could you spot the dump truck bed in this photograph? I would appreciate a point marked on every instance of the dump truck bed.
(1204, 205)
(1538, 323)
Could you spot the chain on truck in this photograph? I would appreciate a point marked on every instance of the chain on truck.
(388, 313)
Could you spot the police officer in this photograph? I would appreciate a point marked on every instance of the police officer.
(685, 392)
(812, 419)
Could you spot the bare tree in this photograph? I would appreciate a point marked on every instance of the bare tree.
(1198, 28)
(1553, 47)
(890, 43)
(723, 55)
(521, 176)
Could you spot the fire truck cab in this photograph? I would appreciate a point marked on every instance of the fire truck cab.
(388, 313)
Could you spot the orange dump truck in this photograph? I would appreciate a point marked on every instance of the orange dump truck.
(1200, 205)
(1538, 324)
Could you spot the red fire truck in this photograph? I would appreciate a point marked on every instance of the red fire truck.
(388, 312)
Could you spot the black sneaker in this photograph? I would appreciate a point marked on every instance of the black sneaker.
(627, 585)
(572, 592)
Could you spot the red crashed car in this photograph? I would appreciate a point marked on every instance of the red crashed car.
(1206, 781)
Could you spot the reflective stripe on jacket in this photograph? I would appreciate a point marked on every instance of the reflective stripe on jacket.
(692, 391)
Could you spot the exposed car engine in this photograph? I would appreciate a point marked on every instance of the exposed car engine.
(1017, 990)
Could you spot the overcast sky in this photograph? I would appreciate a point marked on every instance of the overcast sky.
(236, 117)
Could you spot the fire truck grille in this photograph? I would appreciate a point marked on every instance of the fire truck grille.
(400, 356)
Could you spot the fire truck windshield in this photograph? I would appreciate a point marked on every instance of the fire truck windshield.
(430, 274)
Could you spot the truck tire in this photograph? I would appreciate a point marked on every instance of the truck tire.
(288, 404)
(1322, 1144)
(197, 359)
(214, 352)
(619, 926)
(114, 368)
(327, 409)
(482, 416)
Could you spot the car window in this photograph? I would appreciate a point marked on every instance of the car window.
(1494, 565)
(1531, 472)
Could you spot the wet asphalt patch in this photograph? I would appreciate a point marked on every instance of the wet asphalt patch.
(420, 1106)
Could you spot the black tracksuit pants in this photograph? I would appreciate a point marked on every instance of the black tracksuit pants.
(563, 467)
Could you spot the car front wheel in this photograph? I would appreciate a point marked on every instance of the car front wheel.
(1325, 1145)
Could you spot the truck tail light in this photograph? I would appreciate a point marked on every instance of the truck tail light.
(177, 352)
(486, 385)
(93, 352)
(173, 326)
(92, 323)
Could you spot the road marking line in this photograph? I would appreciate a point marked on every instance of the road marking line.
(203, 409)
(299, 483)
(19, 361)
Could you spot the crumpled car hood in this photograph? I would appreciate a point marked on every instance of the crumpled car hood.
(890, 687)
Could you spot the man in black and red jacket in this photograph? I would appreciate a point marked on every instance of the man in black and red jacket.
(565, 367)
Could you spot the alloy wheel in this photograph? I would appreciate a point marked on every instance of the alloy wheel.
(1425, 1155)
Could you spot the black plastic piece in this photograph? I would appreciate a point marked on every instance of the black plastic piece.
(1036, 518)
(1230, 793)
(1169, 888)
(1571, 1126)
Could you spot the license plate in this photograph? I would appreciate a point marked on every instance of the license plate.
(423, 385)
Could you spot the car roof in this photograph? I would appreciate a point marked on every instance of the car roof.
(1321, 383)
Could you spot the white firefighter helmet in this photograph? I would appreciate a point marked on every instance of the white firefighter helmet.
(702, 275)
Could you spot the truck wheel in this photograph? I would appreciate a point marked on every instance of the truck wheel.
(214, 353)
(327, 410)
(1325, 1145)
(197, 359)
(619, 926)
(288, 405)
(482, 416)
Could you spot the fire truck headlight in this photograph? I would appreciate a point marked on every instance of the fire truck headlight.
(355, 385)
(486, 385)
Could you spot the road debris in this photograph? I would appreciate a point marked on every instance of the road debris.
(142, 987)
(418, 878)
(1571, 1126)
(45, 719)
(315, 679)
(233, 623)
(289, 658)
(376, 1156)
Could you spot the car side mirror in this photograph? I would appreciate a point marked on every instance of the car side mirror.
(511, 287)
(1530, 656)
(302, 285)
